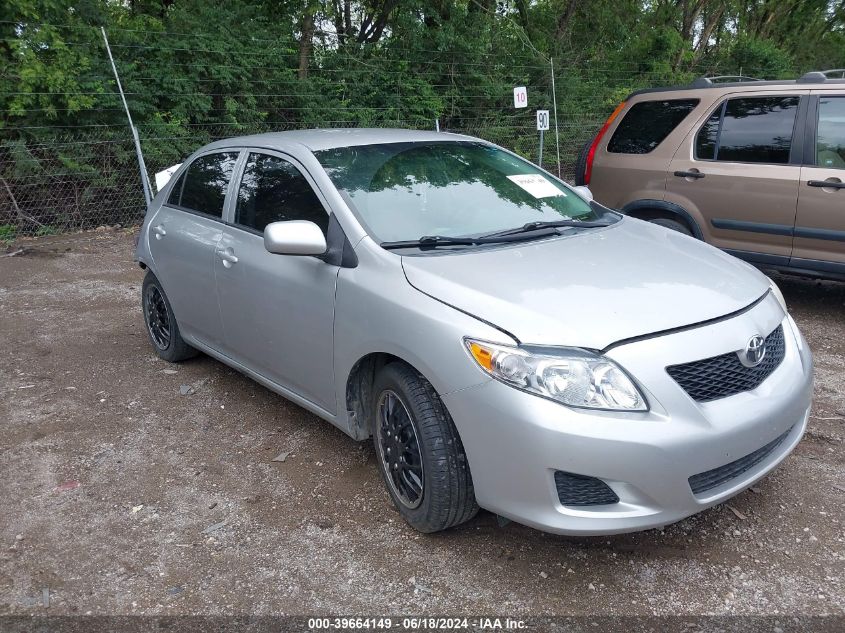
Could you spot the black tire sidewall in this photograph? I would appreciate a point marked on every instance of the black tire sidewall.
(581, 164)
(171, 352)
(405, 382)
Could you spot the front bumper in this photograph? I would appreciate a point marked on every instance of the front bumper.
(515, 441)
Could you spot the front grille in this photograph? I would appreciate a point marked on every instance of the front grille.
(723, 376)
(702, 482)
(578, 490)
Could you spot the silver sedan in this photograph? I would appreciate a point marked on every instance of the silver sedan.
(507, 342)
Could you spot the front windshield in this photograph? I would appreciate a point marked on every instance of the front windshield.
(404, 191)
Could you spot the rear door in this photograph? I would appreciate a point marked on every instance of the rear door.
(820, 223)
(183, 236)
(740, 172)
(278, 310)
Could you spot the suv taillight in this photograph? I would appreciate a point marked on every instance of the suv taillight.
(591, 155)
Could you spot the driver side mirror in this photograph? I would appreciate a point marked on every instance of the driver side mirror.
(294, 237)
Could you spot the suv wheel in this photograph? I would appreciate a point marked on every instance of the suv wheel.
(672, 224)
(581, 164)
(161, 324)
(420, 455)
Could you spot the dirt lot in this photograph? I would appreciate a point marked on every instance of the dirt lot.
(121, 495)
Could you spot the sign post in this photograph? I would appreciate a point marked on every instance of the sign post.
(542, 126)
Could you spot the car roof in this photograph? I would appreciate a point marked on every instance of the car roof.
(320, 139)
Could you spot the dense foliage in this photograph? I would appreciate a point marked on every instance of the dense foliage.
(195, 69)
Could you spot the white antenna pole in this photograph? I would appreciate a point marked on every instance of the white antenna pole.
(554, 106)
(145, 179)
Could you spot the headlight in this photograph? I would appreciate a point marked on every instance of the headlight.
(571, 376)
(778, 295)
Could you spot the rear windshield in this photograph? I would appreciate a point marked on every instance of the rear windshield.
(647, 123)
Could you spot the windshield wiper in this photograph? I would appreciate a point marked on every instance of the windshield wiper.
(550, 224)
(433, 241)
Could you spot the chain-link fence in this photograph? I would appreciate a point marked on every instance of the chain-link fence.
(81, 171)
(83, 178)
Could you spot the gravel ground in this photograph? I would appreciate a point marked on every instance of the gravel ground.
(123, 496)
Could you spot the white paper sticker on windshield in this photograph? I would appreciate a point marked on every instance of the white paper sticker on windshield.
(536, 185)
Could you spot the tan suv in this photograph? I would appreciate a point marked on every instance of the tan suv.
(753, 167)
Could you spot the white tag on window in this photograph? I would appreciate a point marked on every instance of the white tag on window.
(536, 185)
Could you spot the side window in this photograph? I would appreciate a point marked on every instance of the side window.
(705, 143)
(273, 190)
(205, 184)
(830, 137)
(647, 123)
(176, 192)
(749, 130)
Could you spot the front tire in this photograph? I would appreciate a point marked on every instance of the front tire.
(419, 453)
(161, 323)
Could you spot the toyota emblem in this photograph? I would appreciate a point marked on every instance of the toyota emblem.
(755, 352)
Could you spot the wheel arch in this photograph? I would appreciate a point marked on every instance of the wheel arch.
(359, 389)
(652, 209)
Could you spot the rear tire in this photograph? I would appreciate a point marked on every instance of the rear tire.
(581, 164)
(161, 323)
(419, 453)
(673, 225)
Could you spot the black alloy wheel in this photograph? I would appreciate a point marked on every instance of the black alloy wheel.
(400, 450)
(161, 322)
(157, 317)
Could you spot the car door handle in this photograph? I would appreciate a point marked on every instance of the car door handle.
(159, 231)
(689, 174)
(827, 184)
(228, 257)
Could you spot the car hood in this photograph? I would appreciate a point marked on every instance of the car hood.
(593, 288)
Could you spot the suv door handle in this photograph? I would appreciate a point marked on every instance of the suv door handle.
(159, 231)
(689, 174)
(827, 184)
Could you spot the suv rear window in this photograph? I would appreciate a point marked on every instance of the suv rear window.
(749, 130)
(647, 123)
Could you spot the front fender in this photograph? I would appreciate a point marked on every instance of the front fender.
(378, 311)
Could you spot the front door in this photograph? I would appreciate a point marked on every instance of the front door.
(740, 172)
(183, 236)
(278, 310)
(820, 223)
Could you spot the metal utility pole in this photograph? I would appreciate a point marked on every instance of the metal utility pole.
(540, 159)
(554, 107)
(145, 179)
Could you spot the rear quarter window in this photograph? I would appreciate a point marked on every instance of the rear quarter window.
(647, 124)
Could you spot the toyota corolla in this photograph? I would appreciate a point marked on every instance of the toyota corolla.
(505, 341)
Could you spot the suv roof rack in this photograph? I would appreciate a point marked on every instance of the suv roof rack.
(704, 82)
(834, 71)
(820, 76)
(833, 76)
